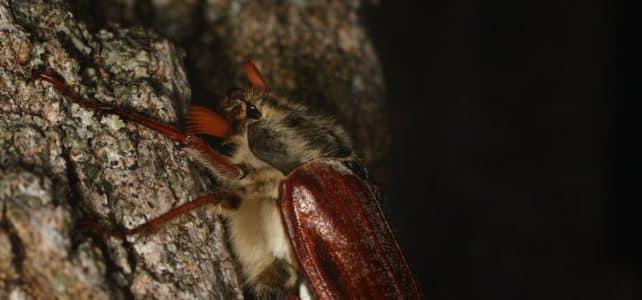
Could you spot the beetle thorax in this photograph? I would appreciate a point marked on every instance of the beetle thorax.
(275, 131)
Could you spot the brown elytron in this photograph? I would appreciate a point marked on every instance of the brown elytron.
(340, 235)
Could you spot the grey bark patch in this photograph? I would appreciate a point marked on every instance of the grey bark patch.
(60, 162)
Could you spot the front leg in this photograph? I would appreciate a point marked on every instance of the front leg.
(218, 161)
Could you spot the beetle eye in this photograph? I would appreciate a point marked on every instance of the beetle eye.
(252, 112)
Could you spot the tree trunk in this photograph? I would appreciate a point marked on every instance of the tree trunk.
(60, 163)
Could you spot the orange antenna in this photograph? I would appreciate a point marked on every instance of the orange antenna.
(254, 76)
(201, 120)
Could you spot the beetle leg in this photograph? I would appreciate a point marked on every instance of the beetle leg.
(219, 161)
(60, 86)
(154, 224)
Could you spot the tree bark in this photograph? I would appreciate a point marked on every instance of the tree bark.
(60, 163)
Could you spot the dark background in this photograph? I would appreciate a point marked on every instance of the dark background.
(504, 158)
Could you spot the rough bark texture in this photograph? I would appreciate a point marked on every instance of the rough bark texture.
(60, 162)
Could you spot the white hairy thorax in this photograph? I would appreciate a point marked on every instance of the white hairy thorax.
(256, 230)
(255, 226)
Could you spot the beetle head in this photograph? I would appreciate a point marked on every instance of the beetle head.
(278, 131)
